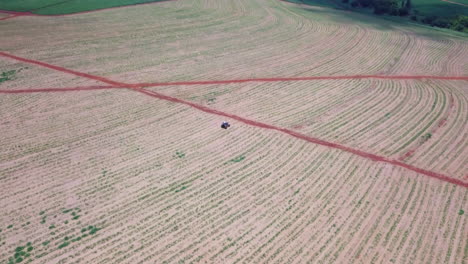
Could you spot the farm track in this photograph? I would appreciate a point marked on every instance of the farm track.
(226, 207)
(7, 17)
(164, 183)
(138, 87)
(49, 90)
(270, 25)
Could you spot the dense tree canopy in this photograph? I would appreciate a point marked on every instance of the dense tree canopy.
(404, 8)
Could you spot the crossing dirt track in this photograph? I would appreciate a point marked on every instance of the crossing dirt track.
(348, 144)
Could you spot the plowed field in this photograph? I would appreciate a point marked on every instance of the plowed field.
(348, 140)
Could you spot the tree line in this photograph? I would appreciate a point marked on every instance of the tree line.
(405, 8)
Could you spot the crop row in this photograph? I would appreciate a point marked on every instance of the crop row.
(419, 122)
(164, 182)
(24, 76)
(223, 40)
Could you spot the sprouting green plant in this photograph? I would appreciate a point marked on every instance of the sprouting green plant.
(461, 212)
(20, 253)
(7, 76)
(64, 244)
(238, 159)
(93, 230)
(19, 249)
(181, 189)
(427, 136)
(180, 154)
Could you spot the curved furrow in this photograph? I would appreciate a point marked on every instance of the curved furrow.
(115, 176)
(400, 107)
(446, 137)
(354, 111)
(373, 132)
(365, 115)
(423, 123)
(416, 114)
(320, 108)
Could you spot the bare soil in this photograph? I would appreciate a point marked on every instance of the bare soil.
(309, 171)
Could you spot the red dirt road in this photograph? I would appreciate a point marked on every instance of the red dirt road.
(307, 138)
(58, 68)
(138, 88)
(8, 17)
(279, 79)
(69, 89)
(434, 131)
(286, 79)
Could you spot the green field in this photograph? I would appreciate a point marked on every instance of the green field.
(430, 12)
(59, 7)
(440, 8)
(424, 7)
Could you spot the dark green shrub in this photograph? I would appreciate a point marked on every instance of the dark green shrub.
(442, 23)
(386, 7)
(403, 11)
(459, 23)
(429, 19)
(365, 3)
(394, 12)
